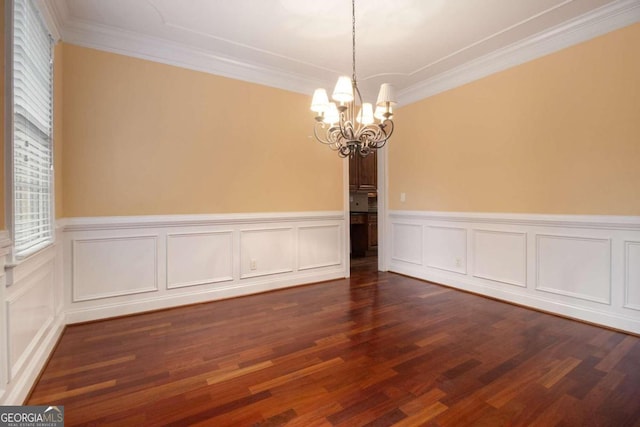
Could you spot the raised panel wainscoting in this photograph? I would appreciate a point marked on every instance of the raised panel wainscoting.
(32, 317)
(121, 265)
(584, 267)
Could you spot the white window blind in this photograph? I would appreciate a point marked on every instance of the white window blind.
(32, 130)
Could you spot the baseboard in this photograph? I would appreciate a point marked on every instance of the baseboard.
(569, 311)
(584, 267)
(105, 311)
(19, 388)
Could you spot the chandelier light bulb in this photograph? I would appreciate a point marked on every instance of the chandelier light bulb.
(338, 126)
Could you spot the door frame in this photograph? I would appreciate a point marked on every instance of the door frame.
(382, 183)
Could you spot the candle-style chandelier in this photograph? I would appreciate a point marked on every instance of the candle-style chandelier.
(337, 124)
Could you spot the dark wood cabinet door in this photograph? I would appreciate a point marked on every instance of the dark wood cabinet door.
(359, 235)
(372, 225)
(368, 172)
(353, 173)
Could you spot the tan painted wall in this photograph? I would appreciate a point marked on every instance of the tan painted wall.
(558, 135)
(58, 122)
(144, 138)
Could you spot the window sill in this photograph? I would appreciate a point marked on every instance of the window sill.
(23, 267)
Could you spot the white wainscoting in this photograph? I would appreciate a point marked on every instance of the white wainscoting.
(32, 319)
(500, 256)
(95, 279)
(575, 266)
(632, 275)
(122, 265)
(407, 245)
(266, 251)
(319, 246)
(446, 248)
(585, 267)
(199, 258)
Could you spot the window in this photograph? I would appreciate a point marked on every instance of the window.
(32, 108)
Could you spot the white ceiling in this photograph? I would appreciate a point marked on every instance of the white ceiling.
(420, 46)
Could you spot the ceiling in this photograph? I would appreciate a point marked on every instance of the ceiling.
(420, 46)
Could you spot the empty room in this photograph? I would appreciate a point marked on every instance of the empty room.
(320, 213)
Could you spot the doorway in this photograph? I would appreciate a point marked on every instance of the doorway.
(363, 211)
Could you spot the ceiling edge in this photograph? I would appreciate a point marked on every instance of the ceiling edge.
(51, 17)
(164, 51)
(598, 22)
(180, 55)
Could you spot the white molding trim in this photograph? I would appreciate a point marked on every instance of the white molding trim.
(232, 290)
(346, 233)
(418, 258)
(207, 281)
(631, 223)
(463, 268)
(5, 243)
(23, 268)
(51, 18)
(543, 288)
(627, 279)
(133, 44)
(156, 221)
(585, 276)
(18, 390)
(540, 302)
(301, 267)
(605, 19)
(74, 273)
(271, 239)
(600, 21)
(474, 235)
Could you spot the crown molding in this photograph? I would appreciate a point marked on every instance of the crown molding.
(164, 51)
(52, 17)
(585, 27)
(600, 21)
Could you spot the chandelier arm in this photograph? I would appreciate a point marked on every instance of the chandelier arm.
(318, 137)
(332, 134)
(350, 136)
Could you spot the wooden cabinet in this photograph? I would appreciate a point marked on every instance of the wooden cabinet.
(364, 233)
(359, 235)
(372, 225)
(363, 172)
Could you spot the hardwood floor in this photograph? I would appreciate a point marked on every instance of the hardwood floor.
(379, 349)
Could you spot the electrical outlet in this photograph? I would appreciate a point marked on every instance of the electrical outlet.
(253, 264)
(458, 262)
(403, 197)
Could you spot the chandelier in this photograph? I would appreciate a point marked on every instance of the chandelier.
(337, 124)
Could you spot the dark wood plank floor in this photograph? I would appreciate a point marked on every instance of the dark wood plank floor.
(379, 349)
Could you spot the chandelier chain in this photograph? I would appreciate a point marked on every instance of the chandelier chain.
(339, 127)
(353, 35)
